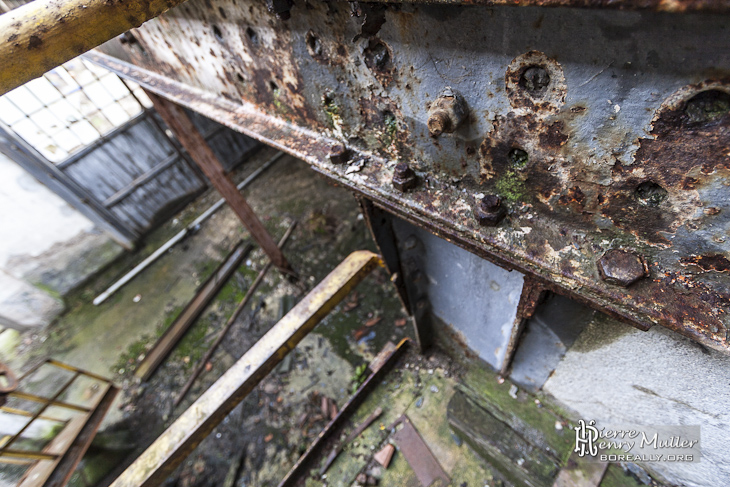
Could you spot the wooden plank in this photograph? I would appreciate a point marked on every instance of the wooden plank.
(191, 312)
(176, 119)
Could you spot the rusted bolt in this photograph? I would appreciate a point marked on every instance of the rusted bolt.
(446, 113)
(621, 267)
(489, 212)
(438, 123)
(535, 79)
(404, 178)
(339, 154)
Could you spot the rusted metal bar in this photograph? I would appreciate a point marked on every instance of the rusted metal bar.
(249, 294)
(533, 292)
(379, 223)
(32, 397)
(351, 437)
(198, 421)
(379, 367)
(28, 414)
(183, 128)
(187, 317)
(418, 455)
(43, 34)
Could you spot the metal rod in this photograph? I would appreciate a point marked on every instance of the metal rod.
(40, 42)
(28, 454)
(28, 414)
(182, 234)
(199, 420)
(32, 397)
(194, 308)
(249, 294)
(191, 139)
(379, 366)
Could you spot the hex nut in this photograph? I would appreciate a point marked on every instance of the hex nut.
(489, 212)
(339, 154)
(446, 113)
(622, 267)
(404, 178)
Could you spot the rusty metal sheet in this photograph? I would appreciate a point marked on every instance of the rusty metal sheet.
(615, 142)
(419, 457)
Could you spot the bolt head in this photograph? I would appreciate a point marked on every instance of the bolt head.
(489, 212)
(404, 178)
(339, 154)
(490, 202)
(621, 267)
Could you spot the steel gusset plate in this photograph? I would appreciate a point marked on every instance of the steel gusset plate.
(606, 141)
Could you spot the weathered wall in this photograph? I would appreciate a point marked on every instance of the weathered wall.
(46, 249)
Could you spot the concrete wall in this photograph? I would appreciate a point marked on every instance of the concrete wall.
(616, 374)
(46, 249)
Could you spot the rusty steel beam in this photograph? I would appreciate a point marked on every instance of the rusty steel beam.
(199, 420)
(43, 34)
(547, 233)
(183, 128)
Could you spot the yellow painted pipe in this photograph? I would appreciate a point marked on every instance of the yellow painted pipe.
(43, 34)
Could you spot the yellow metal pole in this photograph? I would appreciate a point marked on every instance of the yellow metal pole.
(199, 420)
(43, 34)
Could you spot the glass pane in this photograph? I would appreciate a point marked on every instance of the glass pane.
(67, 141)
(65, 112)
(62, 80)
(30, 132)
(81, 102)
(43, 90)
(47, 121)
(98, 95)
(130, 105)
(115, 114)
(9, 113)
(85, 131)
(114, 86)
(100, 122)
(24, 100)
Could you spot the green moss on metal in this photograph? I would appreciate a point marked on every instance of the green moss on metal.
(510, 187)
